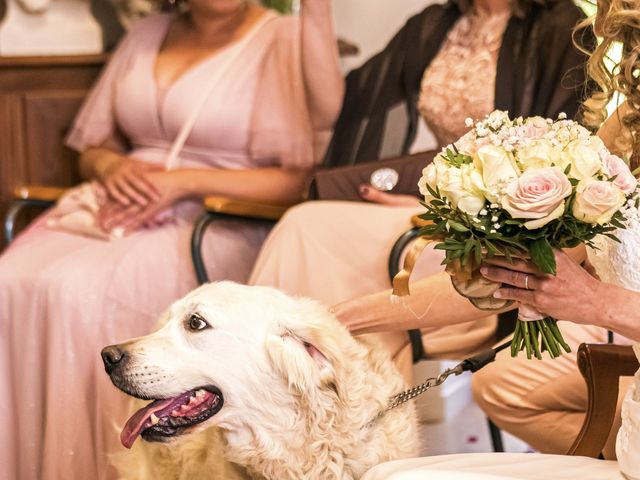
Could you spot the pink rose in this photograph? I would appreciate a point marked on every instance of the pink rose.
(539, 195)
(533, 128)
(614, 166)
(597, 201)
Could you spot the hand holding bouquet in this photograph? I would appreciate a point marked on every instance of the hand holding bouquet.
(521, 188)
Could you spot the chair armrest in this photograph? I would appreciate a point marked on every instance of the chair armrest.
(601, 366)
(244, 208)
(38, 193)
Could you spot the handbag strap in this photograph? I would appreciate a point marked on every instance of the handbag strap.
(171, 161)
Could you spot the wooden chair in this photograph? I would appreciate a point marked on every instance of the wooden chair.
(601, 366)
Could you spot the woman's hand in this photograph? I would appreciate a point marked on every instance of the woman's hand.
(371, 194)
(126, 182)
(573, 294)
(170, 188)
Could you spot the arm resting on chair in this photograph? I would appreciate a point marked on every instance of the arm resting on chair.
(601, 366)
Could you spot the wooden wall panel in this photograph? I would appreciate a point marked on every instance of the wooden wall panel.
(39, 97)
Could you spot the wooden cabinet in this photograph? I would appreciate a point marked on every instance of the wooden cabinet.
(39, 97)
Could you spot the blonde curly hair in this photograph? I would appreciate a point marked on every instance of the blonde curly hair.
(619, 23)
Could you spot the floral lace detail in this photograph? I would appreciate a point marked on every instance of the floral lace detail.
(460, 81)
(618, 263)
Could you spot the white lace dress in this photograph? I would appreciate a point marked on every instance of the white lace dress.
(618, 263)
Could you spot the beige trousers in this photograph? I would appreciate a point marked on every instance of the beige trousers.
(543, 402)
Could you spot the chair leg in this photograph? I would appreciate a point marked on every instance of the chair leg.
(199, 230)
(496, 437)
(415, 336)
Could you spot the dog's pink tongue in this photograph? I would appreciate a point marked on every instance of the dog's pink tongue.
(136, 423)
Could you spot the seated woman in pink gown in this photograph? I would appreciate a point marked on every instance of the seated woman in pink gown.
(64, 296)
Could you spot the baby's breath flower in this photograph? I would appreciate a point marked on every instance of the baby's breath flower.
(562, 116)
(494, 218)
(468, 122)
(483, 212)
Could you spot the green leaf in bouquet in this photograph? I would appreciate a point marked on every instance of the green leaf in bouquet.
(468, 250)
(458, 227)
(612, 237)
(542, 255)
(491, 248)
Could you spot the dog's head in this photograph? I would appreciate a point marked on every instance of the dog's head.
(226, 352)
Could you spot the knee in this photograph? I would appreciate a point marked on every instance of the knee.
(488, 390)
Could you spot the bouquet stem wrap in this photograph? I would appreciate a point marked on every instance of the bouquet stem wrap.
(535, 332)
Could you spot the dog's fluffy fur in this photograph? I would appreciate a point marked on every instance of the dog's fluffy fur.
(298, 391)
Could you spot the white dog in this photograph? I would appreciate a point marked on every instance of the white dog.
(291, 391)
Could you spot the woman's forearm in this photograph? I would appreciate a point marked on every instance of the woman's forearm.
(618, 310)
(433, 302)
(324, 83)
(269, 185)
(96, 161)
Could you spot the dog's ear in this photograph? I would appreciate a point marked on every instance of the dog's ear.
(300, 362)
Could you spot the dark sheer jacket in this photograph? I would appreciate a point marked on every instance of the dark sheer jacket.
(539, 72)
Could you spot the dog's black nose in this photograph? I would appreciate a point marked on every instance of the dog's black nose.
(112, 357)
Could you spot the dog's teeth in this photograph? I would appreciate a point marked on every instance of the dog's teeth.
(193, 401)
(175, 413)
(154, 420)
(184, 408)
(200, 394)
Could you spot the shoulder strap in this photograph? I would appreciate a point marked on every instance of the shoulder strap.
(171, 161)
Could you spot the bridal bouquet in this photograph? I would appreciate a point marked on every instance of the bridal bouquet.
(522, 188)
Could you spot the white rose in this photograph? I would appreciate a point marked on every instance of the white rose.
(497, 167)
(538, 154)
(583, 158)
(597, 201)
(463, 187)
(538, 195)
(430, 178)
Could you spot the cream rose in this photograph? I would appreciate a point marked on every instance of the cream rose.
(597, 201)
(583, 157)
(463, 187)
(429, 177)
(614, 166)
(539, 195)
(538, 154)
(497, 167)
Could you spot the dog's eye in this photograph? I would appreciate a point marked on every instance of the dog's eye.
(197, 323)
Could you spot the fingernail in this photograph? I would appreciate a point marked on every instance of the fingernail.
(364, 189)
(497, 294)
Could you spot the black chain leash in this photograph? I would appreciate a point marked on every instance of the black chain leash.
(471, 364)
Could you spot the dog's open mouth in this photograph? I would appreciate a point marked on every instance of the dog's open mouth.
(166, 418)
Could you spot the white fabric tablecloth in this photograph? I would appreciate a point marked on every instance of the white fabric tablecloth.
(496, 466)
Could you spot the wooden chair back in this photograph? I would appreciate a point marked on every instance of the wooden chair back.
(601, 366)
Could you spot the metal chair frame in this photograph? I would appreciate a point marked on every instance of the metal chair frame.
(14, 210)
(199, 229)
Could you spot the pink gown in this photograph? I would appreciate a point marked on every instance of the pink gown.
(63, 297)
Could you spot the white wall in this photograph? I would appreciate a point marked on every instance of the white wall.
(370, 24)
